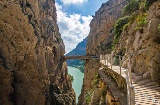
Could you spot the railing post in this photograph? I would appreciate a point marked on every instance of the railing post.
(120, 63)
(111, 61)
(130, 90)
(100, 57)
(105, 59)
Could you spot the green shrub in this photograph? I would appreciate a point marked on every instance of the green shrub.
(141, 22)
(148, 3)
(58, 39)
(88, 96)
(71, 77)
(132, 6)
(133, 17)
(118, 28)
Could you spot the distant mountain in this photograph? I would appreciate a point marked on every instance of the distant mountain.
(79, 50)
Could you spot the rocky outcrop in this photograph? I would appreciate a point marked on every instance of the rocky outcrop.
(144, 44)
(101, 29)
(32, 69)
(102, 24)
(139, 42)
(90, 71)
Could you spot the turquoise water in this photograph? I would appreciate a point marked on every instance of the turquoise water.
(78, 80)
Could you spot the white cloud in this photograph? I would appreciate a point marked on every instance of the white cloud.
(73, 1)
(73, 28)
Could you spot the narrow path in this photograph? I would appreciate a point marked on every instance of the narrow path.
(146, 91)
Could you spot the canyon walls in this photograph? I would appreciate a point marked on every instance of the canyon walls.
(137, 39)
(32, 69)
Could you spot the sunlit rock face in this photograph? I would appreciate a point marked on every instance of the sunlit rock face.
(102, 24)
(144, 45)
(101, 28)
(32, 69)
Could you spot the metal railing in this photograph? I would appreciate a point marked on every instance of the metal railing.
(130, 88)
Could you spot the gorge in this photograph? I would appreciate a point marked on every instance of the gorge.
(123, 34)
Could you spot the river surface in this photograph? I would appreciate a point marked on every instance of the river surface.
(78, 80)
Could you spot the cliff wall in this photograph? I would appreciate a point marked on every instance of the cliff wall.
(102, 24)
(142, 43)
(101, 29)
(138, 40)
(32, 70)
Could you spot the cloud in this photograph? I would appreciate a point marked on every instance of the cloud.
(73, 1)
(73, 28)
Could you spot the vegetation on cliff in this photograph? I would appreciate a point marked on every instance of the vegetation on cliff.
(135, 34)
(71, 77)
(139, 33)
(134, 11)
(118, 28)
(90, 92)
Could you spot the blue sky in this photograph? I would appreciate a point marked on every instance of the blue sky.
(73, 17)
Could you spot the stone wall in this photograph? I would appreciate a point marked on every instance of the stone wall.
(32, 69)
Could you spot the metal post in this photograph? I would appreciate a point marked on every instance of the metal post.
(132, 93)
(105, 58)
(120, 57)
(120, 64)
(111, 61)
(100, 57)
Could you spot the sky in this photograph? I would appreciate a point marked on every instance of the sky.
(73, 18)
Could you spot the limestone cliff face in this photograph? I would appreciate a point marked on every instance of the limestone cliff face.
(144, 45)
(140, 41)
(90, 71)
(32, 70)
(101, 26)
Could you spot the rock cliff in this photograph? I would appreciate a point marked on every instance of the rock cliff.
(137, 38)
(32, 69)
(101, 29)
(102, 24)
(142, 42)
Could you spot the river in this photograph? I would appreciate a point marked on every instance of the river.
(78, 80)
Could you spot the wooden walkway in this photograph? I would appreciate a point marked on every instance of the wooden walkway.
(146, 92)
